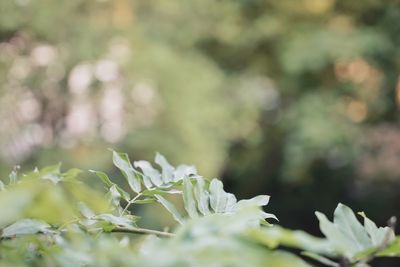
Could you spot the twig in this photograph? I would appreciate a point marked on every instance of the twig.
(131, 202)
(141, 231)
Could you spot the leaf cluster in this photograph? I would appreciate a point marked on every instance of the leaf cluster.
(52, 218)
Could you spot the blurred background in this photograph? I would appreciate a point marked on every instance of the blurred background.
(296, 99)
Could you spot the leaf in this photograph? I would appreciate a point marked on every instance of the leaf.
(184, 171)
(150, 173)
(348, 224)
(85, 210)
(123, 221)
(115, 195)
(261, 200)
(14, 202)
(266, 215)
(26, 227)
(231, 202)
(218, 198)
(167, 169)
(170, 207)
(342, 245)
(188, 198)
(379, 236)
(104, 178)
(320, 259)
(202, 196)
(121, 161)
(2, 187)
(51, 173)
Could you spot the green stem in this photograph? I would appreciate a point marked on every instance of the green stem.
(131, 202)
(141, 231)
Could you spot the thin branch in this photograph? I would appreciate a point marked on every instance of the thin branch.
(131, 202)
(141, 231)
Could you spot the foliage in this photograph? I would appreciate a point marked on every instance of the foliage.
(52, 218)
(290, 97)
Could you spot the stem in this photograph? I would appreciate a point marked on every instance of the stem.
(131, 202)
(141, 231)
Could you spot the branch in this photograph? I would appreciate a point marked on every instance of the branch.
(141, 231)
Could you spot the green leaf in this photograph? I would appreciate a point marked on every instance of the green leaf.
(218, 197)
(170, 207)
(85, 210)
(14, 202)
(231, 202)
(115, 195)
(150, 173)
(121, 161)
(342, 244)
(123, 221)
(188, 198)
(379, 235)
(261, 200)
(348, 224)
(202, 196)
(26, 227)
(104, 178)
(167, 169)
(51, 173)
(184, 171)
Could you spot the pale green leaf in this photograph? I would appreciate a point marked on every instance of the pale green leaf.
(348, 224)
(51, 173)
(115, 195)
(184, 171)
(231, 202)
(150, 173)
(261, 200)
(218, 197)
(167, 169)
(379, 235)
(341, 243)
(124, 221)
(85, 210)
(170, 207)
(26, 227)
(104, 178)
(188, 198)
(202, 196)
(121, 161)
